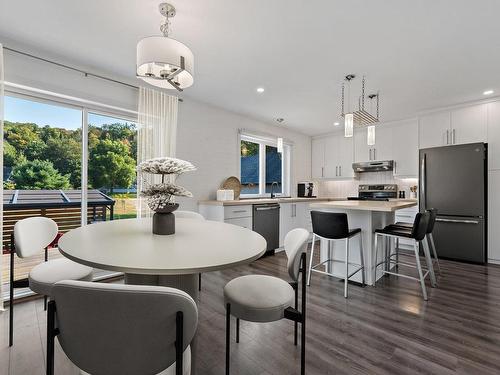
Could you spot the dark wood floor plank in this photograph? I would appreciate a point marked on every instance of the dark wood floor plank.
(387, 329)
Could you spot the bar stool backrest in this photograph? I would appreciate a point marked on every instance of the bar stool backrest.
(295, 245)
(330, 225)
(121, 329)
(432, 219)
(420, 225)
(33, 234)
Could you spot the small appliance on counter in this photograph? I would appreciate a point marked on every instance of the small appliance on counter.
(225, 195)
(382, 192)
(305, 190)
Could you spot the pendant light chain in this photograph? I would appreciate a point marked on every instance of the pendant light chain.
(165, 27)
(343, 93)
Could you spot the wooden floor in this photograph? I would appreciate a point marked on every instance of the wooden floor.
(388, 329)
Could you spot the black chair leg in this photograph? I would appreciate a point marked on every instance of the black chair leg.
(11, 299)
(199, 282)
(228, 336)
(296, 307)
(51, 337)
(237, 330)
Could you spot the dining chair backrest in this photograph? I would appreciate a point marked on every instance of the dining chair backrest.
(33, 234)
(420, 225)
(331, 225)
(121, 329)
(188, 215)
(295, 245)
(432, 219)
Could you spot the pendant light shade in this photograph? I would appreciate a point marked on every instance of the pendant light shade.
(279, 145)
(370, 135)
(349, 125)
(163, 61)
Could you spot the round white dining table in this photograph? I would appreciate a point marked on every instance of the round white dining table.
(129, 246)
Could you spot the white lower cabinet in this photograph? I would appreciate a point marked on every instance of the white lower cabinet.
(245, 222)
(294, 215)
(494, 216)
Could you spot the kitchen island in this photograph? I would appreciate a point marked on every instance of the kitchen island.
(367, 215)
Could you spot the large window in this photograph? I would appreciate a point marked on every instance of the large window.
(44, 166)
(262, 168)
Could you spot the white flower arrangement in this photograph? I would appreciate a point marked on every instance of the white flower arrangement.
(162, 194)
(165, 165)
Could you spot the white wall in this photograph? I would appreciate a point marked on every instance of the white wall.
(208, 137)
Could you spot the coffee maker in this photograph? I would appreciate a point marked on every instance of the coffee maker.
(305, 190)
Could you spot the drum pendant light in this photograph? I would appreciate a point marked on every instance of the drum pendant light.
(163, 61)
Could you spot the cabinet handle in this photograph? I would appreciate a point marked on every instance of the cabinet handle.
(322, 174)
(447, 137)
(336, 171)
(453, 136)
(340, 170)
(458, 221)
(238, 211)
(395, 168)
(374, 154)
(370, 157)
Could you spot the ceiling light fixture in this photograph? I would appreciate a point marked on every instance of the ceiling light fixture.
(260, 90)
(488, 92)
(361, 116)
(163, 61)
(279, 145)
(336, 123)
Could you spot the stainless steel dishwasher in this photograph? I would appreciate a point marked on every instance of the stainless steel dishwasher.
(266, 222)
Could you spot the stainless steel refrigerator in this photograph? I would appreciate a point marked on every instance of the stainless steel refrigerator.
(453, 179)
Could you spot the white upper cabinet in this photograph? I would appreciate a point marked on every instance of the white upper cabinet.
(332, 157)
(381, 150)
(345, 157)
(362, 152)
(405, 148)
(494, 135)
(458, 126)
(469, 124)
(434, 129)
(317, 157)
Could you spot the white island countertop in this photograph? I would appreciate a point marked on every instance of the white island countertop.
(379, 206)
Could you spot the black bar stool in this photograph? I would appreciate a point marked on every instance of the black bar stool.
(429, 237)
(333, 226)
(417, 234)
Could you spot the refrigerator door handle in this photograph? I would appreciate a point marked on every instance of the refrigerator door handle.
(422, 187)
(457, 221)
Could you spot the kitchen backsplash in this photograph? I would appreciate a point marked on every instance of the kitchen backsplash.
(343, 189)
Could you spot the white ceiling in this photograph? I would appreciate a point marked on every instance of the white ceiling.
(419, 54)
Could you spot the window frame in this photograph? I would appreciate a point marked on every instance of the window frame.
(285, 164)
(85, 107)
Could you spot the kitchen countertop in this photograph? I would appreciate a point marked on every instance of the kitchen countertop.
(241, 202)
(380, 206)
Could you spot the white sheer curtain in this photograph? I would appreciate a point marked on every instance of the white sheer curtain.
(1, 164)
(157, 131)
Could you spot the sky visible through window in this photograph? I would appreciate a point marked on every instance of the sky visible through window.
(22, 110)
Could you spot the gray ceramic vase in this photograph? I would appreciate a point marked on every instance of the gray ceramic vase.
(164, 220)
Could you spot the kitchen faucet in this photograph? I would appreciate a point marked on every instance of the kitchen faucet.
(272, 189)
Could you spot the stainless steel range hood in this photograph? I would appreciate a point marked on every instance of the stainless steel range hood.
(373, 166)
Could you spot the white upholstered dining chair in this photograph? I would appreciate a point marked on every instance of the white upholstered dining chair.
(32, 236)
(116, 329)
(262, 298)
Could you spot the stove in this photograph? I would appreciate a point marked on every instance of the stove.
(382, 192)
